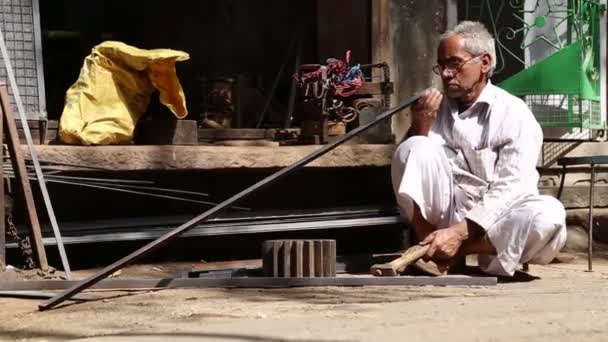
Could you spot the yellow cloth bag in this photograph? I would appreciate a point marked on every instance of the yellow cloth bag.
(113, 92)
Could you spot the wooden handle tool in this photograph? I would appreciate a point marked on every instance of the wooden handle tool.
(395, 267)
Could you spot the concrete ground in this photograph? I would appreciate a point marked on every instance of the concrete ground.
(564, 304)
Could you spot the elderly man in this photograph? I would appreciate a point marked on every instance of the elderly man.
(465, 176)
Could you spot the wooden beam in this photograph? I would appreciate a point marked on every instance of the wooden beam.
(160, 158)
(380, 37)
(22, 179)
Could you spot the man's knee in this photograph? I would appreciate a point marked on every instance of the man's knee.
(548, 230)
(549, 213)
(421, 146)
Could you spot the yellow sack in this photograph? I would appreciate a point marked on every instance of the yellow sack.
(113, 92)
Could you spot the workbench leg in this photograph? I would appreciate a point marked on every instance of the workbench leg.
(561, 182)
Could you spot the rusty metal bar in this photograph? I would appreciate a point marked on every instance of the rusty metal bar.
(154, 245)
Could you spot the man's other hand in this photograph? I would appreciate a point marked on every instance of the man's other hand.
(445, 243)
(424, 111)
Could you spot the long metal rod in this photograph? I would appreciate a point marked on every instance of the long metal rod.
(124, 189)
(82, 166)
(102, 180)
(134, 192)
(154, 245)
(33, 155)
(591, 203)
(150, 233)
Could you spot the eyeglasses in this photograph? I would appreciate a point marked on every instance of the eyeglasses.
(452, 67)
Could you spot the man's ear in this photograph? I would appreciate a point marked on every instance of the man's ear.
(486, 63)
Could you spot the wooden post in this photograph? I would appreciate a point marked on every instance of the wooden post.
(22, 179)
(380, 35)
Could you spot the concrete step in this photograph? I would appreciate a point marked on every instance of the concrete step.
(577, 197)
(580, 217)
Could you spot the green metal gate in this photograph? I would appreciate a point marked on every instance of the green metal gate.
(549, 53)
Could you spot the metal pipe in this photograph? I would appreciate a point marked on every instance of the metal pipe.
(154, 245)
(590, 240)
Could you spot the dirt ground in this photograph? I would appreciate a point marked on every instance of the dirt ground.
(565, 304)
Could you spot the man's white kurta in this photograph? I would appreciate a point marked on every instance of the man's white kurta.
(480, 165)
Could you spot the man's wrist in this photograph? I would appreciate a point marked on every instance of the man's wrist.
(462, 230)
(418, 128)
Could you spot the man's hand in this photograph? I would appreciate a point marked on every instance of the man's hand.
(424, 111)
(445, 243)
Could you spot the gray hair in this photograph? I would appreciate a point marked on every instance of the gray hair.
(476, 39)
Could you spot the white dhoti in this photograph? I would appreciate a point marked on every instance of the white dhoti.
(532, 231)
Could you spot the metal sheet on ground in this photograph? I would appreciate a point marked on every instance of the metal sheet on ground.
(261, 282)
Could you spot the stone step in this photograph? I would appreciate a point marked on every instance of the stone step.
(579, 218)
(577, 197)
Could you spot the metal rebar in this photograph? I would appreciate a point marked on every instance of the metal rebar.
(154, 245)
(591, 202)
(33, 155)
(120, 188)
(80, 166)
(103, 180)
(153, 188)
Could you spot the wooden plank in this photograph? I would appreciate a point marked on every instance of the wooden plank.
(148, 158)
(380, 34)
(22, 180)
(244, 282)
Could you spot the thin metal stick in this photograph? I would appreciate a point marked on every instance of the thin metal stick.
(175, 233)
(34, 156)
(81, 166)
(104, 180)
(120, 188)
